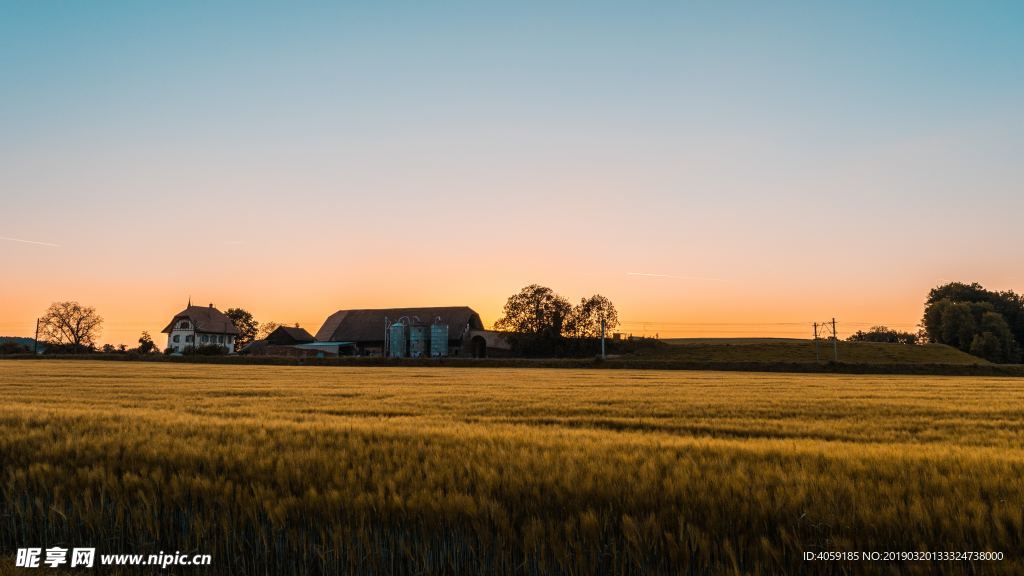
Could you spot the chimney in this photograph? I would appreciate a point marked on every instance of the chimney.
(211, 304)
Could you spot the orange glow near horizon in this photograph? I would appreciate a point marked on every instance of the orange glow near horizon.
(146, 297)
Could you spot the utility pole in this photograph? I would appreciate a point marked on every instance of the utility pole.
(602, 339)
(35, 341)
(835, 340)
(817, 354)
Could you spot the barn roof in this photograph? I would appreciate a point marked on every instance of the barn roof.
(369, 325)
(291, 334)
(206, 319)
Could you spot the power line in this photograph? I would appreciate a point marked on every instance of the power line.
(803, 323)
(659, 323)
(828, 328)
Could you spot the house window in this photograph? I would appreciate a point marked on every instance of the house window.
(231, 339)
(205, 338)
(188, 338)
(176, 339)
(185, 325)
(220, 339)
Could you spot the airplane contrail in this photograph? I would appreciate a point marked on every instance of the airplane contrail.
(30, 242)
(651, 275)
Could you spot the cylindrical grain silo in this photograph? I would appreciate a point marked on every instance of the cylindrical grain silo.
(396, 341)
(438, 339)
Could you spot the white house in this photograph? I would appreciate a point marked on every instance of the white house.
(200, 326)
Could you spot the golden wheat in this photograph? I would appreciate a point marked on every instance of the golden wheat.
(291, 470)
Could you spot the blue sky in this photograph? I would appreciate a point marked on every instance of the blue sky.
(810, 150)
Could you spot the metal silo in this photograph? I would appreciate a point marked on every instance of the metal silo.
(396, 340)
(417, 340)
(438, 339)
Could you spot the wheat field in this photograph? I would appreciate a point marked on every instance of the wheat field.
(316, 470)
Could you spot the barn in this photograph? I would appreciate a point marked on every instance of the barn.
(409, 332)
(289, 336)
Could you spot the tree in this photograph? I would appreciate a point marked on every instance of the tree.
(986, 345)
(1009, 305)
(146, 344)
(534, 319)
(246, 324)
(958, 325)
(584, 320)
(974, 327)
(998, 342)
(535, 310)
(71, 325)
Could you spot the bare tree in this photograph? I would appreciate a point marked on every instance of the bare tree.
(266, 328)
(71, 324)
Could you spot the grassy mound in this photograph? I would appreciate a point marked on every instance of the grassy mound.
(774, 350)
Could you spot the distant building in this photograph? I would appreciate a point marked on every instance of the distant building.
(295, 342)
(410, 332)
(484, 343)
(290, 341)
(307, 350)
(289, 335)
(200, 326)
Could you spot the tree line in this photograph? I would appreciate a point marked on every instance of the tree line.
(540, 322)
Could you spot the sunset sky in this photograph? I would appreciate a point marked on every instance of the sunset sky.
(715, 168)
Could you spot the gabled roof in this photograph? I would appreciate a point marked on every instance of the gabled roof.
(206, 319)
(369, 325)
(289, 335)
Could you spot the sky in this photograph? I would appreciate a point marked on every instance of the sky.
(715, 168)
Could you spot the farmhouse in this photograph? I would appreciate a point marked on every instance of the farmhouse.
(411, 332)
(200, 326)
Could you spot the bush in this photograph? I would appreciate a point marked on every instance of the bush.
(13, 348)
(550, 346)
(885, 335)
(70, 349)
(206, 350)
